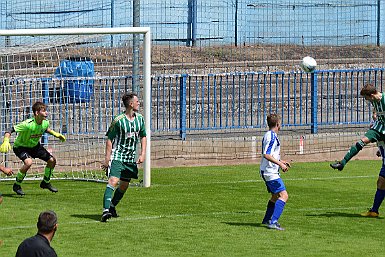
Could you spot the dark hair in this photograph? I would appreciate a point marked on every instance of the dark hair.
(46, 221)
(127, 99)
(368, 90)
(38, 106)
(272, 120)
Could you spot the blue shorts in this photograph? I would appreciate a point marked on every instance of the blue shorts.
(275, 186)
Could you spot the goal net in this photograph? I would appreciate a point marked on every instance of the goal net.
(81, 74)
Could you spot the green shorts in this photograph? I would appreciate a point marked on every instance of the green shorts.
(374, 135)
(125, 171)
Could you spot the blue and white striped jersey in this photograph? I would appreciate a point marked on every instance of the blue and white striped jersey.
(270, 145)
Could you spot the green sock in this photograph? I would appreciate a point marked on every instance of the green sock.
(352, 152)
(108, 196)
(117, 196)
(47, 174)
(20, 177)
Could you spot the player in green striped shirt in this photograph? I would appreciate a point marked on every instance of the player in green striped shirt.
(120, 161)
(377, 130)
(27, 146)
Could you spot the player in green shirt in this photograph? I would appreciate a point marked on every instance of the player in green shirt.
(27, 146)
(377, 130)
(120, 161)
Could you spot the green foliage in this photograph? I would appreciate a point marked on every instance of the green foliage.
(206, 211)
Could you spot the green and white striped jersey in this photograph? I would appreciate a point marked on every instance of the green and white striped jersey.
(379, 107)
(125, 135)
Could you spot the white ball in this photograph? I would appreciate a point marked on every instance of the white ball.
(308, 64)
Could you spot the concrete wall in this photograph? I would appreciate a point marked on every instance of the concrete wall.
(241, 150)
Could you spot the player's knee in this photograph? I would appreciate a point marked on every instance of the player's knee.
(28, 162)
(123, 186)
(51, 162)
(284, 196)
(381, 183)
(113, 181)
(1, 199)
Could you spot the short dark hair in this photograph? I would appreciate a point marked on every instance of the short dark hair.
(272, 120)
(46, 221)
(127, 98)
(38, 106)
(368, 90)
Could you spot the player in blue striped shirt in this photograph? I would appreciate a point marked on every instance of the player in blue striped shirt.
(270, 164)
(377, 130)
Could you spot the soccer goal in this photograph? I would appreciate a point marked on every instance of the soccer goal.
(81, 74)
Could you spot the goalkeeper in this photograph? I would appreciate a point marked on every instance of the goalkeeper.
(27, 146)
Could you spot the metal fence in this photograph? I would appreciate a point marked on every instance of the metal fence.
(185, 103)
(242, 100)
(201, 37)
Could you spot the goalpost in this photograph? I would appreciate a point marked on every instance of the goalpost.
(81, 74)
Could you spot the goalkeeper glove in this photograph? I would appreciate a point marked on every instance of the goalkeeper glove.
(5, 146)
(58, 135)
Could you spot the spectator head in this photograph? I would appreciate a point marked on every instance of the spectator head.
(47, 222)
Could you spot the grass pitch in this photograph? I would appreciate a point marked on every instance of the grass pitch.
(206, 211)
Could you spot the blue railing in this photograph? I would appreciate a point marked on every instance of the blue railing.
(184, 103)
(242, 100)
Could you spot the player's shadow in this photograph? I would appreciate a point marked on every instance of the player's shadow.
(245, 224)
(340, 214)
(12, 196)
(87, 216)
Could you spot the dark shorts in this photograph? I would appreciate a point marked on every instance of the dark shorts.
(382, 172)
(123, 171)
(374, 135)
(35, 152)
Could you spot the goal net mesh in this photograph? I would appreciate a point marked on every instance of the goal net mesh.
(81, 78)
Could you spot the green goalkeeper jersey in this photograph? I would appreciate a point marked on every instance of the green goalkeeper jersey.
(29, 132)
(125, 135)
(379, 123)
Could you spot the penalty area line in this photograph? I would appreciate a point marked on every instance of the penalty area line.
(260, 180)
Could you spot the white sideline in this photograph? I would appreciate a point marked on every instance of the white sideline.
(171, 216)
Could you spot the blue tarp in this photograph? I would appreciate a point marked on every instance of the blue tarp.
(80, 89)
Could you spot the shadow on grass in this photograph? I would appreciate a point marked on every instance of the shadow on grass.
(247, 224)
(87, 216)
(13, 195)
(341, 214)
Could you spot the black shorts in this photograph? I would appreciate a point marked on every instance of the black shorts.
(35, 152)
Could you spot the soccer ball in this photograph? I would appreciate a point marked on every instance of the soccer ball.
(308, 64)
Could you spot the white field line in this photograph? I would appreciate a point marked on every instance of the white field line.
(254, 181)
(185, 215)
(260, 180)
